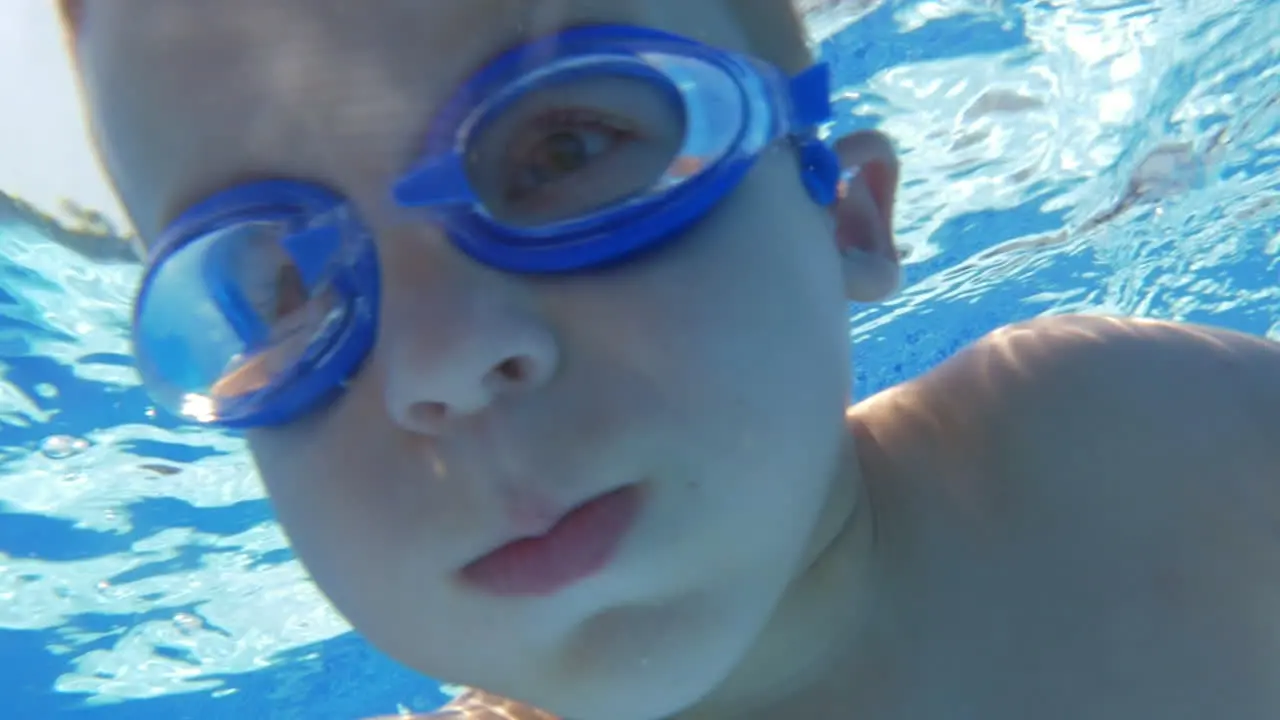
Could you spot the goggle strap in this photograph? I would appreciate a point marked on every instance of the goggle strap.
(810, 97)
(810, 93)
(819, 170)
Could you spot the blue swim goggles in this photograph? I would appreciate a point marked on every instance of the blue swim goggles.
(566, 154)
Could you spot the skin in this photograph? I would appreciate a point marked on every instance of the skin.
(1071, 518)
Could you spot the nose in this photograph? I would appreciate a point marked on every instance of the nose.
(457, 359)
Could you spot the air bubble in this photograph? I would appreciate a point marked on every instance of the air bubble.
(61, 447)
(187, 623)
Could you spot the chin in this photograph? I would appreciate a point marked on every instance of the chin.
(654, 658)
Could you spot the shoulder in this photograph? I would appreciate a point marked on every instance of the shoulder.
(1089, 408)
(1112, 488)
(1142, 386)
(1123, 387)
(1069, 351)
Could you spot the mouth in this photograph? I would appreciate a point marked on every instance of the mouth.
(582, 543)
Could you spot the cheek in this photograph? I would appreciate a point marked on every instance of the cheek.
(752, 300)
(756, 330)
(328, 516)
(371, 534)
(352, 513)
(739, 331)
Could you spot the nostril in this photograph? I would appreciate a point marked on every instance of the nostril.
(428, 414)
(466, 399)
(514, 370)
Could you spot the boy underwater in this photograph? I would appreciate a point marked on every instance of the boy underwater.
(534, 315)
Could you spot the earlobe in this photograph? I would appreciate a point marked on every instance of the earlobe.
(864, 216)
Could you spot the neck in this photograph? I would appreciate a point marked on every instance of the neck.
(819, 630)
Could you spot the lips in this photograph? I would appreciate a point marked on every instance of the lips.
(579, 545)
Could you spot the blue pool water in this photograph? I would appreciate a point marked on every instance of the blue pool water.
(1119, 157)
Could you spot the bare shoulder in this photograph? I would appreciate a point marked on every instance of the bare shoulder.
(1109, 354)
(1137, 386)
(1143, 443)
(1080, 400)
(1112, 488)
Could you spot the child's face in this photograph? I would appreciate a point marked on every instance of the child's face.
(708, 378)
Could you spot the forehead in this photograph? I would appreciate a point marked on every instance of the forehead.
(187, 96)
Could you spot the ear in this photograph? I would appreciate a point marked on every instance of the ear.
(863, 213)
